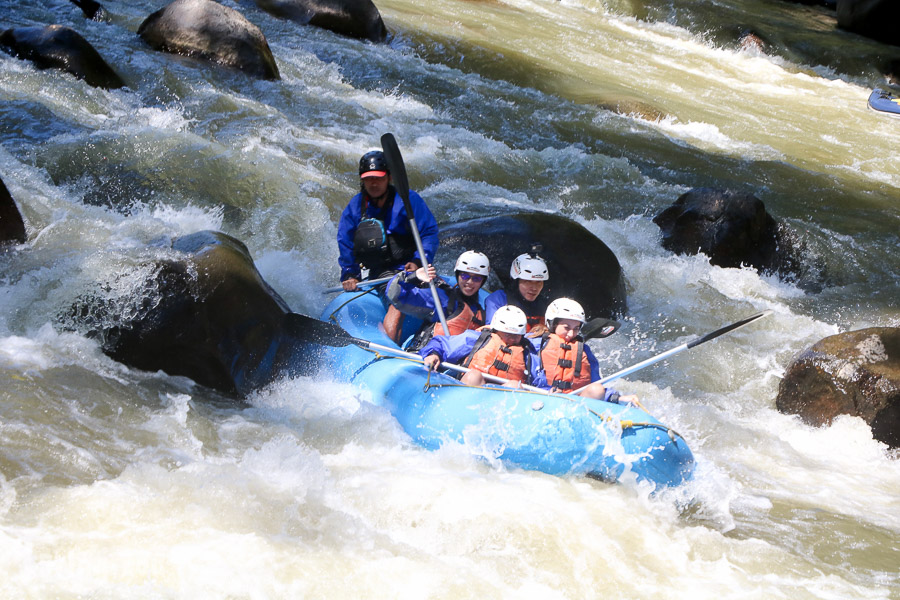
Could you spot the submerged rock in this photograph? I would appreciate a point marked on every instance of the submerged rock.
(732, 228)
(209, 316)
(854, 373)
(58, 47)
(92, 10)
(12, 227)
(581, 266)
(354, 18)
(206, 29)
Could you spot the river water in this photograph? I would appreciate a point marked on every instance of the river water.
(117, 483)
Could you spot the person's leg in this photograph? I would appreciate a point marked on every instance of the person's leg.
(393, 323)
(473, 377)
(594, 390)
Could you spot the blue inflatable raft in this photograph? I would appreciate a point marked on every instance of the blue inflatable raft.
(553, 433)
(882, 101)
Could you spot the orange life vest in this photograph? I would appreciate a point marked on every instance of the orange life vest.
(490, 355)
(566, 365)
(463, 319)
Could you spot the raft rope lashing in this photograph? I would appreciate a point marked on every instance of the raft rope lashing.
(332, 318)
(623, 423)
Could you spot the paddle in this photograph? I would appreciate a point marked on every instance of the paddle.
(692, 344)
(331, 334)
(398, 176)
(599, 328)
(367, 283)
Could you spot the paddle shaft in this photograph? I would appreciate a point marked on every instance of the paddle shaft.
(692, 344)
(448, 365)
(368, 283)
(398, 174)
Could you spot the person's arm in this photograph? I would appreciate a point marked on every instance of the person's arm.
(592, 360)
(405, 293)
(494, 301)
(346, 230)
(537, 375)
(453, 348)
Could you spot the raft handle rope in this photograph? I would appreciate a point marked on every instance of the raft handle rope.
(401, 355)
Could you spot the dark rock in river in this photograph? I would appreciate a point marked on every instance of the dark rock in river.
(855, 373)
(733, 229)
(877, 19)
(354, 18)
(210, 317)
(58, 47)
(12, 227)
(206, 29)
(581, 266)
(92, 10)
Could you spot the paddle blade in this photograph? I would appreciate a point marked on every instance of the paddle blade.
(398, 169)
(728, 328)
(316, 331)
(599, 328)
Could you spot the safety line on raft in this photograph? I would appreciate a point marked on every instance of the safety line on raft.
(357, 296)
(623, 423)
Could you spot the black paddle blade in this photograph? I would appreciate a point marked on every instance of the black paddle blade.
(316, 331)
(727, 328)
(398, 169)
(599, 328)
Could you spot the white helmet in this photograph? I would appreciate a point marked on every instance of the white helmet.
(510, 319)
(529, 267)
(473, 262)
(564, 308)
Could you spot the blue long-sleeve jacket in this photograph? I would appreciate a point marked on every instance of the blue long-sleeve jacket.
(412, 296)
(455, 349)
(539, 376)
(395, 223)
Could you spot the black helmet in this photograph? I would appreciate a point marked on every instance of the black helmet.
(373, 164)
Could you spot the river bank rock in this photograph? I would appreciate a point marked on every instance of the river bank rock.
(581, 266)
(854, 373)
(12, 227)
(358, 19)
(209, 316)
(206, 29)
(732, 228)
(58, 47)
(877, 19)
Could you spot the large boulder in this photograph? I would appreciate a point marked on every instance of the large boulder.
(732, 228)
(855, 373)
(58, 47)
(354, 18)
(206, 29)
(581, 266)
(208, 316)
(877, 19)
(12, 227)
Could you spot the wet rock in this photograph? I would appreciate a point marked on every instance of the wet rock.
(354, 18)
(732, 228)
(12, 227)
(209, 316)
(877, 19)
(581, 266)
(92, 10)
(58, 47)
(206, 29)
(855, 373)
(750, 41)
